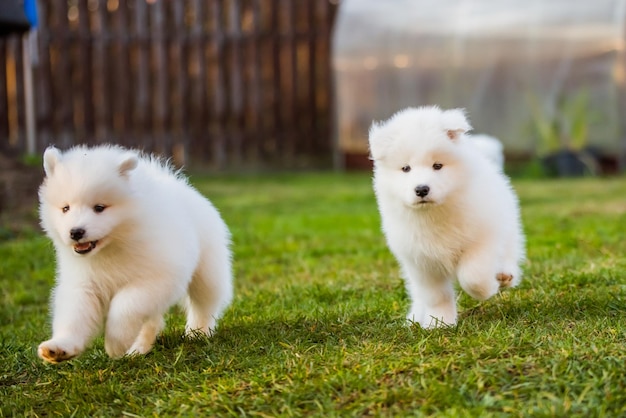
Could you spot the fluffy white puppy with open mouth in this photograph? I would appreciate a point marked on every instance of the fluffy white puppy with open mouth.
(447, 212)
(132, 238)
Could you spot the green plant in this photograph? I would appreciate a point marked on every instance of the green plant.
(32, 160)
(566, 127)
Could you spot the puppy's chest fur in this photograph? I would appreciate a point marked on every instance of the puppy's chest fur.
(434, 240)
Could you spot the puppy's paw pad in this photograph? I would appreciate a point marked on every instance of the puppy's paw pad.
(505, 280)
(54, 353)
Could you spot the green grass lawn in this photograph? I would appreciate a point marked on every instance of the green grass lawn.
(317, 324)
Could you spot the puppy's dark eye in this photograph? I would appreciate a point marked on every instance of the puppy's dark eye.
(406, 168)
(437, 166)
(65, 208)
(99, 208)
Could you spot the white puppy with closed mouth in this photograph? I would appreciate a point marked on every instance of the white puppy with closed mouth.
(132, 238)
(447, 212)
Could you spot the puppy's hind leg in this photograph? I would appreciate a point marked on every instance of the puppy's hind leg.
(210, 291)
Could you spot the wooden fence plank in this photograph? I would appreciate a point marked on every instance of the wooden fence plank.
(140, 75)
(178, 80)
(158, 72)
(101, 38)
(119, 71)
(275, 69)
(12, 71)
(217, 64)
(235, 96)
(196, 89)
(84, 69)
(288, 87)
(4, 109)
(42, 86)
(60, 70)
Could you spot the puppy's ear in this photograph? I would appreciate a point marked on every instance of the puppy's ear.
(455, 123)
(51, 158)
(129, 162)
(379, 140)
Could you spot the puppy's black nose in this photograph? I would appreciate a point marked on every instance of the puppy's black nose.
(422, 190)
(77, 233)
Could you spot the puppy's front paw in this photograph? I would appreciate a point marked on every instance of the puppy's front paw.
(505, 279)
(140, 346)
(55, 352)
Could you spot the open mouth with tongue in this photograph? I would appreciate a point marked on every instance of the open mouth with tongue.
(85, 247)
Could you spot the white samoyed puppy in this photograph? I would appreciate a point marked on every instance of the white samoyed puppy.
(447, 211)
(132, 238)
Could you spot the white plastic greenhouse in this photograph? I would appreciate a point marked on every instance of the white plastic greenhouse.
(519, 67)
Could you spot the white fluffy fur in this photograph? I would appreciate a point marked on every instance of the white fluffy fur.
(466, 227)
(491, 147)
(158, 242)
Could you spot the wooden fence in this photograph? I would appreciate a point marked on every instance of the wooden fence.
(222, 83)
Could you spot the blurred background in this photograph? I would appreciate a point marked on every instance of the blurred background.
(545, 77)
(257, 85)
